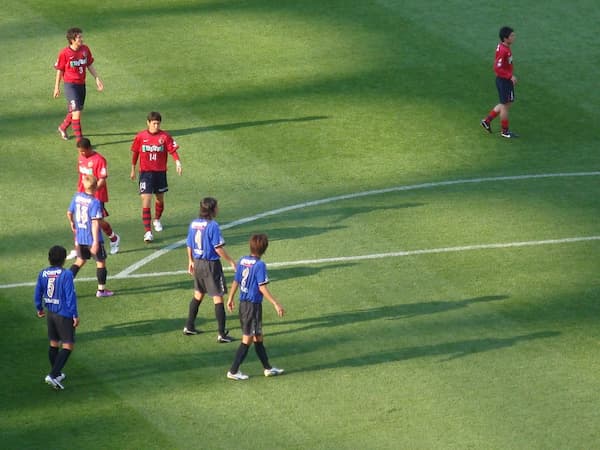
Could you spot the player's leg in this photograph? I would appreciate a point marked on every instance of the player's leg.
(194, 306)
(160, 187)
(102, 273)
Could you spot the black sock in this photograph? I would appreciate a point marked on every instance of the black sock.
(52, 352)
(240, 355)
(261, 351)
(220, 315)
(74, 268)
(101, 275)
(60, 362)
(192, 313)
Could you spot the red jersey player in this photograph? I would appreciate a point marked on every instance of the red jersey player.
(152, 147)
(71, 66)
(505, 83)
(93, 163)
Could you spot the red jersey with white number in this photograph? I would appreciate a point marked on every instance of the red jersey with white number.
(93, 165)
(74, 64)
(503, 65)
(152, 150)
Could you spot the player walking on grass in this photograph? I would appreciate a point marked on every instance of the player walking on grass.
(205, 247)
(85, 215)
(55, 291)
(505, 83)
(151, 147)
(251, 278)
(71, 66)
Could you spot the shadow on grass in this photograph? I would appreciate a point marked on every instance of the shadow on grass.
(393, 312)
(451, 350)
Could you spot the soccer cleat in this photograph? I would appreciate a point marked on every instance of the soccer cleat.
(72, 254)
(53, 382)
(148, 236)
(239, 376)
(273, 372)
(63, 134)
(104, 293)
(190, 331)
(114, 246)
(61, 377)
(509, 134)
(486, 125)
(224, 338)
(157, 225)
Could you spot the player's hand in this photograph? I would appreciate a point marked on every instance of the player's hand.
(191, 268)
(75, 322)
(178, 167)
(41, 314)
(56, 93)
(99, 84)
(280, 310)
(230, 304)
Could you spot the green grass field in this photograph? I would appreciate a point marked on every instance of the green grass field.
(441, 284)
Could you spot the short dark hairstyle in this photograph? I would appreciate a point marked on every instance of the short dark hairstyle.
(504, 33)
(72, 34)
(154, 115)
(57, 256)
(258, 244)
(84, 143)
(208, 207)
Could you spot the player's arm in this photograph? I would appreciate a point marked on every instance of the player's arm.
(232, 291)
(59, 77)
(224, 255)
(264, 290)
(96, 230)
(134, 159)
(37, 299)
(99, 83)
(190, 260)
(71, 221)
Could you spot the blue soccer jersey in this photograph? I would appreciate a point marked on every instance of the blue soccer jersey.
(56, 291)
(204, 236)
(251, 273)
(85, 208)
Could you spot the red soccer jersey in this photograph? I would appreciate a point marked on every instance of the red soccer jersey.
(74, 63)
(93, 165)
(503, 65)
(152, 150)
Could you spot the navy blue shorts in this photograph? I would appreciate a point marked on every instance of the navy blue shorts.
(153, 182)
(83, 252)
(60, 328)
(506, 90)
(75, 94)
(209, 278)
(251, 318)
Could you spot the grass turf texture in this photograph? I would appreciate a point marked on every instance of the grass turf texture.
(279, 103)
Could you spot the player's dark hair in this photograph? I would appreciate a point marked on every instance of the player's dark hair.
(505, 33)
(72, 34)
(208, 208)
(57, 256)
(154, 115)
(258, 244)
(84, 143)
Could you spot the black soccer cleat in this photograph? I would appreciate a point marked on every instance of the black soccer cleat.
(486, 125)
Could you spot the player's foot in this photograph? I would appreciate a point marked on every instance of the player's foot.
(72, 254)
(53, 382)
(148, 236)
(104, 293)
(114, 246)
(509, 134)
(63, 134)
(486, 125)
(157, 225)
(61, 377)
(224, 338)
(190, 331)
(239, 376)
(273, 372)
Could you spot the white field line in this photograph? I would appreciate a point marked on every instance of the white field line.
(128, 272)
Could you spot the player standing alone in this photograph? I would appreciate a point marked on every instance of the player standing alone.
(151, 147)
(71, 66)
(505, 83)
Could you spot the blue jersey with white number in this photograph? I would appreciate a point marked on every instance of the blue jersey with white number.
(251, 273)
(55, 290)
(85, 208)
(204, 236)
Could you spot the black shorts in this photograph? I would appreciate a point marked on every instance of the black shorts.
(60, 328)
(251, 318)
(75, 94)
(209, 278)
(153, 182)
(83, 252)
(506, 90)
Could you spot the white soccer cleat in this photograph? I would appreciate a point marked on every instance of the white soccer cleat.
(148, 236)
(114, 246)
(72, 254)
(239, 376)
(157, 225)
(273, 372)
(53, 382)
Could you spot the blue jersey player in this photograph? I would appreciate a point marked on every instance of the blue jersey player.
(205, 248)
(85, 214)
(55, 292)
(251, 279)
